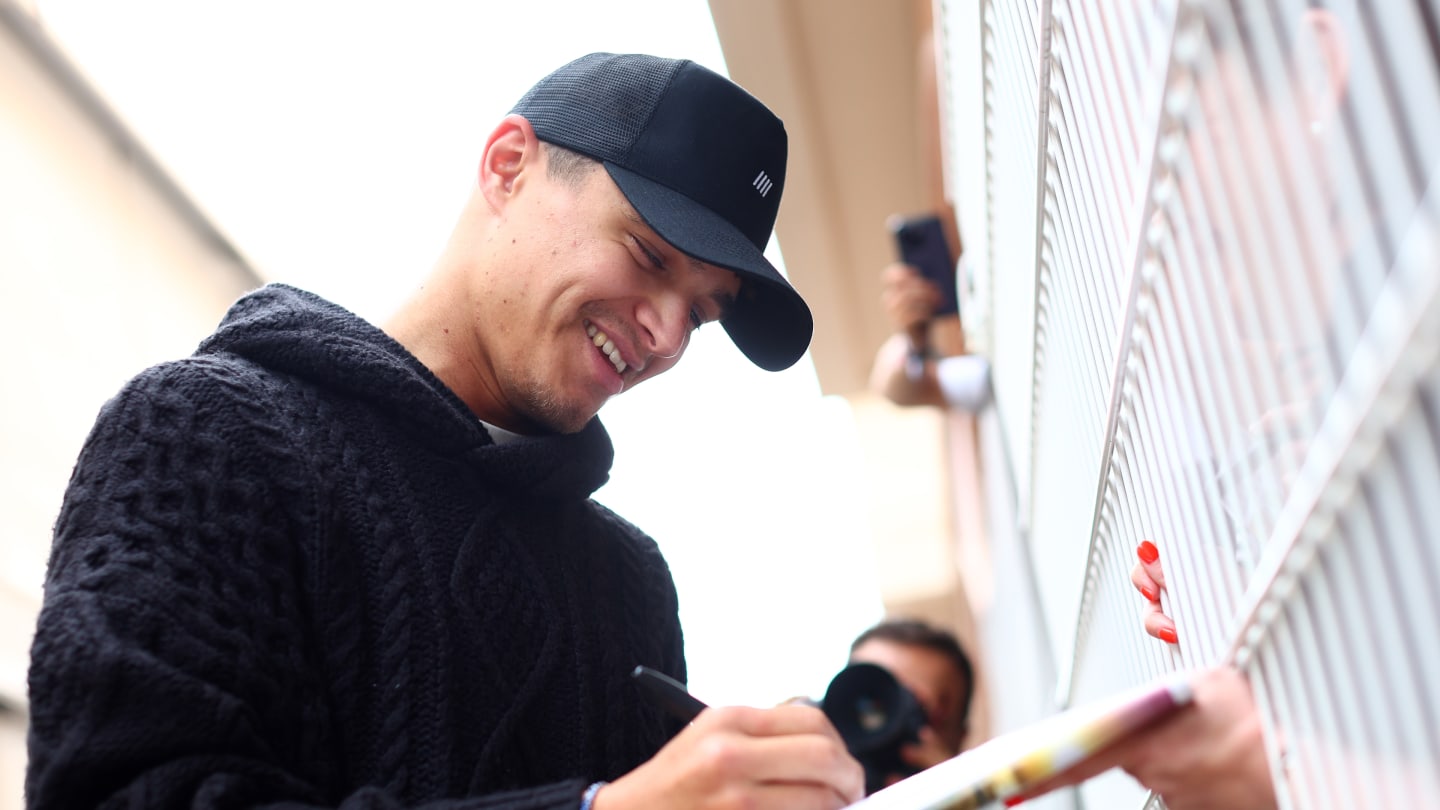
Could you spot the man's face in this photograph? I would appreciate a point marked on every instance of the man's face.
(588, 301)
(930, 675)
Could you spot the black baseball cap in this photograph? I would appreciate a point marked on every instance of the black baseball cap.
(703, 163)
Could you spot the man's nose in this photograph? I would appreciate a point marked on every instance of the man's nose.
(668, 326)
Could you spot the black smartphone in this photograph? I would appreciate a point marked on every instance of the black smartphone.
(921, 243)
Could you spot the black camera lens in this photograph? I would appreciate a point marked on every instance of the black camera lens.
(875, 716)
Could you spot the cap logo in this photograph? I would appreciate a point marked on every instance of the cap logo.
(762, 183)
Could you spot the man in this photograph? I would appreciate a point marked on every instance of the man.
(932, 665)
(321, 564)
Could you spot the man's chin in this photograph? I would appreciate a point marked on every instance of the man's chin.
(563, 420)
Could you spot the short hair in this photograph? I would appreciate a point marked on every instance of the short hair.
(920, 634)
(566, 165)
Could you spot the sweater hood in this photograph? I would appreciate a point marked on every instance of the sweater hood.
(300, 334)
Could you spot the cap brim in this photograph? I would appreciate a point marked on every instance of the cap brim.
(770, 323)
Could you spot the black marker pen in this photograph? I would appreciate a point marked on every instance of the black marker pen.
(668, 693)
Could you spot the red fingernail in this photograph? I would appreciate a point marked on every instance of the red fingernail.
(1150, 593)
(1147, 551)
(1167, 635)
(1014, 800)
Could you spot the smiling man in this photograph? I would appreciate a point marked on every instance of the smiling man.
(625, 202)
(323, 564)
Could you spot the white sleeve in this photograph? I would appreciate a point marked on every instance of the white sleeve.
(964, 381)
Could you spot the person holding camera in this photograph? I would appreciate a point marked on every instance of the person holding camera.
(902, 703)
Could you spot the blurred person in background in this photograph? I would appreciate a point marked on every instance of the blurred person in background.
(930, 663)
(902, 701)
(324, 564)
(924, 361)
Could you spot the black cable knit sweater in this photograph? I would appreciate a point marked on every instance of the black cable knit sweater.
(293, 571)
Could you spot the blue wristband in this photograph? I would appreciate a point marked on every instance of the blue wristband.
(588, 797)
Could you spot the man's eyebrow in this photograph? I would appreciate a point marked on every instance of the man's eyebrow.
(631, 214)
(724, 301)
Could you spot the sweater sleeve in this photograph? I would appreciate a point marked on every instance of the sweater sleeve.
(171, 666)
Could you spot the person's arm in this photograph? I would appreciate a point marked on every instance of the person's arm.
(1211, 754)
(174, 663)
(904, 370)
(168, 665)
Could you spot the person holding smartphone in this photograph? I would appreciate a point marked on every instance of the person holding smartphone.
(924, 361)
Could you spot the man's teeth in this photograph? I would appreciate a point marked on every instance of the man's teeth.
(606, 345)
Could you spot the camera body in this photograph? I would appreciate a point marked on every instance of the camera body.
(875, 716)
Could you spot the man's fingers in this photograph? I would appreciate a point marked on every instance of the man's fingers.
(780, 747)
(787, 756)
(785, 796)
(898, 273)
(798, 759)
(776, 721)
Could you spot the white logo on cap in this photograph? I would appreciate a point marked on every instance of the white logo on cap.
(762, 183)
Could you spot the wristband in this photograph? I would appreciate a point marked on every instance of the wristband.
(588, 797)
(915, 364)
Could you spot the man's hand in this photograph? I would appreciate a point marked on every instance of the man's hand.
(928, 751)
(786, 757)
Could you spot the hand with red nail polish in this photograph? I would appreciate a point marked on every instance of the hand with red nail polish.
(1208, 756)
(1148, 577)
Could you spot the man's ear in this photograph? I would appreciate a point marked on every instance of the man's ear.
(511, 152)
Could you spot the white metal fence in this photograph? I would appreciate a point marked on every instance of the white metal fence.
(1205, 246)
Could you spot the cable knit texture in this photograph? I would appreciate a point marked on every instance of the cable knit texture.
(292, 570)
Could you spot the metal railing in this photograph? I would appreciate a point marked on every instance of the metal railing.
(1207, 270)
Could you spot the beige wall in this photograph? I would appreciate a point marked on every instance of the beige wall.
(928, 524)
(842, 75)
(846, 77)
(102, 275)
